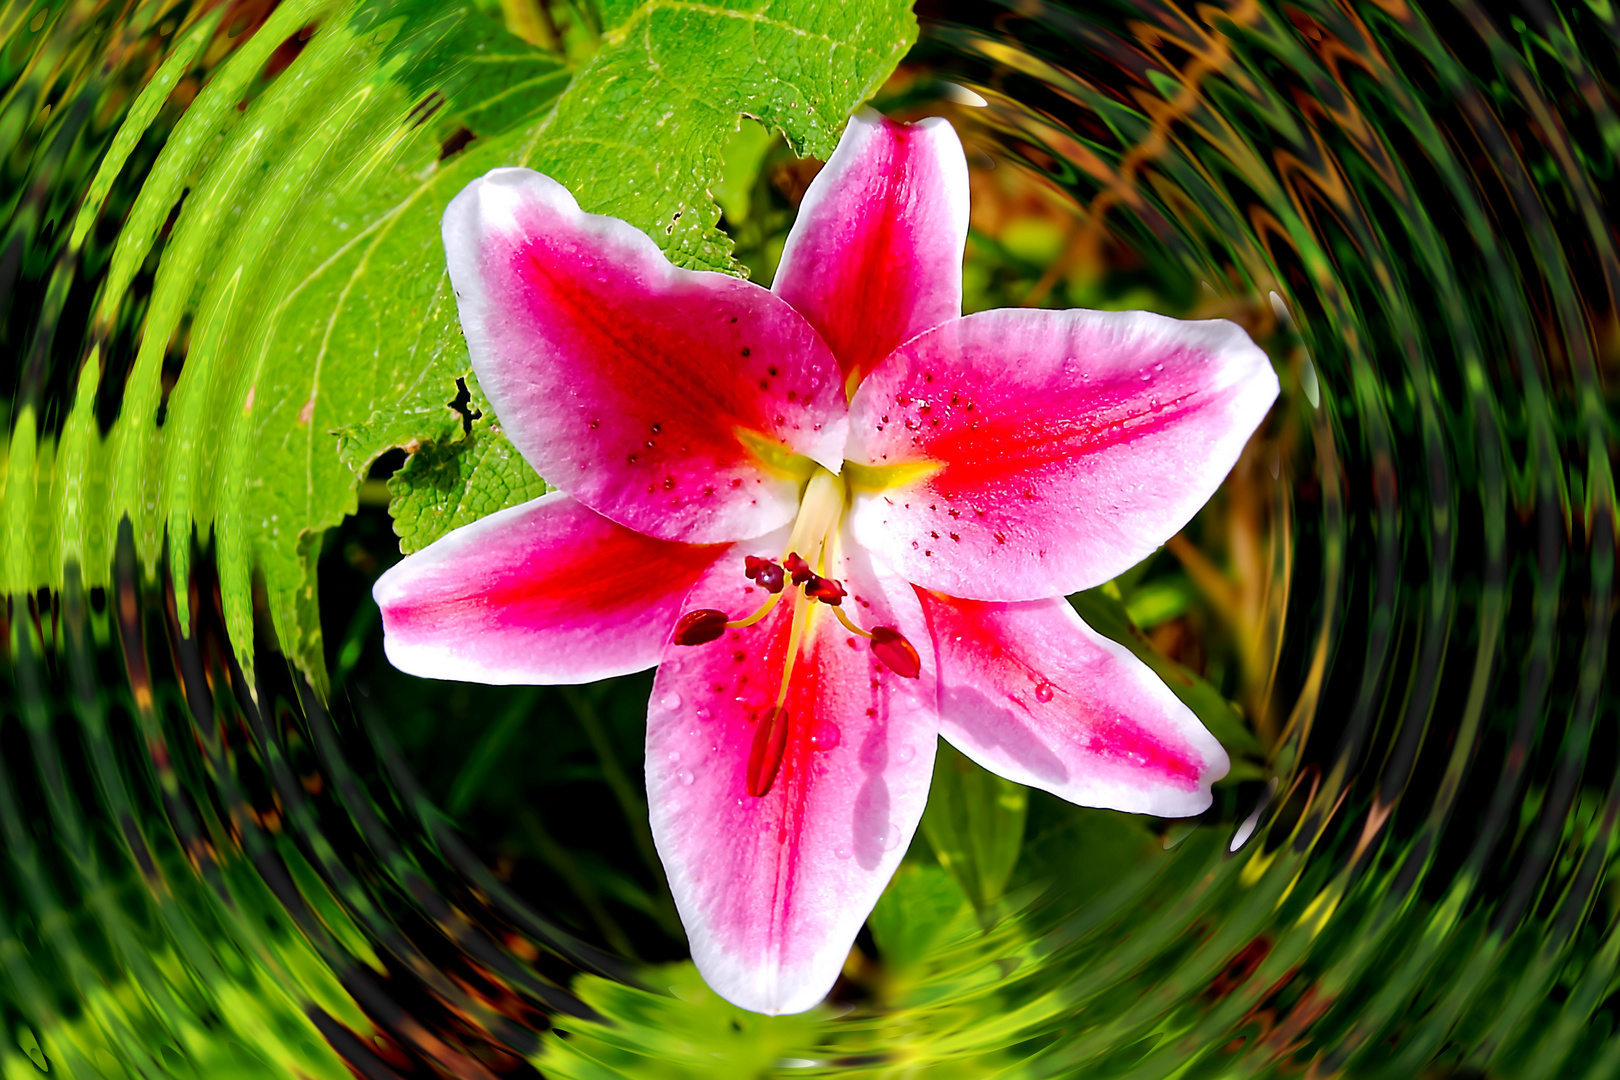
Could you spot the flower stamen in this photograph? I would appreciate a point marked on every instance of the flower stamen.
(895, 652)
(890, 646)
(828, 590)
(762, 611)
(815, 531)
(700, 627)
(801, 622)
(851, 627)
(795, 565)
(765, 755)
(764, 571)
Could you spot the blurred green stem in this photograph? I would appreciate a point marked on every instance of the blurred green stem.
(974, 821)
(487, 752)
(562, 860)
(531, 20)
(630, 802)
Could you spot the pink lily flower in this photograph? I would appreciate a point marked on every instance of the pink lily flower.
(842, 519)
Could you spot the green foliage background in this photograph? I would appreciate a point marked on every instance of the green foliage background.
(294, 224)
(275, 320)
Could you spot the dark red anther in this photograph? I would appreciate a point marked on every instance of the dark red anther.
(798, 568)
(772, 577)
(825, 589)
(764, 571)
(700, 627)
(898, 655)
(765, 756)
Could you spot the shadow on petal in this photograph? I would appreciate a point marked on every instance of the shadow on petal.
(992, 724)
(870, 822)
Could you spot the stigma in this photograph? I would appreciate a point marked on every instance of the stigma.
(805, 576)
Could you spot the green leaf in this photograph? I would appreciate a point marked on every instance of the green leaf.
(302, 281)
(676, 1029)
(640, 132)
(1159, 601)
(1080, 850)
(445, 485)
(922, 907)
(301, 274)
(975, 824)
(741, 161)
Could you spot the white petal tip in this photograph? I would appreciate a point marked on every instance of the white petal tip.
(961, 95)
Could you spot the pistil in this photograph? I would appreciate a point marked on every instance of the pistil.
(812, 551)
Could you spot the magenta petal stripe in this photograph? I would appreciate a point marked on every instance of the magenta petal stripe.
(546, 592)
(643, 390)
(772, 890)
(1056, 448)
(841, 518)
(1032, 693)
(875, 256)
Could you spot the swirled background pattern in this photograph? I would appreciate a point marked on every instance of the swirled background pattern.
(235, 843)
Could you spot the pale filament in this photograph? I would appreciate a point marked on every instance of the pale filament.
(813, 549)
(815, 537)
(815, 531)
(820, 511)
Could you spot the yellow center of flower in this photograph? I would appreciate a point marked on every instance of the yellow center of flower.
(812, 555)
(815, 530)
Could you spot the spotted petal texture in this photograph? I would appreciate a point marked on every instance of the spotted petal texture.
(999, 461)
(772, 890)
(1055, 449)
(1031, 692)
(545, 592)
(643, 390)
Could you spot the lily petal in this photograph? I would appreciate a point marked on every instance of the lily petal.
(545, 592)
(1044, 452)
(875, 255)
(669, 400)
(1031, 692)
(772, 890)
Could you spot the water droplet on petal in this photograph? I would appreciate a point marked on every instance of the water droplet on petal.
(685, 776)
(703, 714)
(890, 838)
(843, 851)
(904, 754)
(674, 756)
(825, 736)
(670, 701)
(1043, 691)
